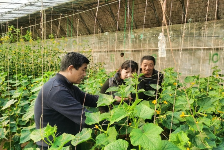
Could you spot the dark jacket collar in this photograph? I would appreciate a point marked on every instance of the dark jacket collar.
(63, 80)
(155, 72)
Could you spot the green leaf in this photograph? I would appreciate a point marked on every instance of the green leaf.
(149, 93)
(39, 134)
(117, 145)
(83, 136)
(17, 93)
(61, 141)
(25, 135)
(191, 122)
(112, 134)
(29, 113)
(128, 90)
(34, 89)
(141, 90)
(104, 139)
(104, 116)
(9, 103)
(2, 133)
(206, 105)
(155, 86)
(101, 139)
(166, 145)
(105, 100)
(179, 139)
(117, 114)
(111, 89)
(200, 142)
(36, 135)
(143, 111)
(189, 79)
(92, 118)
(148, 138)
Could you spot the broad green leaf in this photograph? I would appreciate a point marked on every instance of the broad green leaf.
(149, 93)
(141, 90)
(148, 138)
(189, 79)
(104, 139)
(101, 139)
(9, 103)
(143, 111)
(61, 140)
(111, 89)
(25, 135)
(112, 134)
(181, 100)
(117, 114)
(166, 145)
(83, 136)
(155, 86)
(34, 89)
(200, 142)
(105, 100)
(2, 133)
(179, 139)
(128, 90)
(104, 116)
(205, 120)
(206, 105)
(117, 145)
(29, 113)
(92, 118)
(191, 122)
(17, 93)
(37, 135)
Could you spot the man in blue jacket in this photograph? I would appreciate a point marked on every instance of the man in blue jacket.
(61, 103)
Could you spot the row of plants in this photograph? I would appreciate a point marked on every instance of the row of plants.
(25, 65)
(187, 115)
(21, 54)
(17, 97)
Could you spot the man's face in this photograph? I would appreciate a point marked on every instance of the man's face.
(147, 67)
(78, 75)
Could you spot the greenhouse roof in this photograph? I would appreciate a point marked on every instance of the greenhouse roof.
(13, 9)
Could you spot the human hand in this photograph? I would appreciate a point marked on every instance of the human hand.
(125, 99)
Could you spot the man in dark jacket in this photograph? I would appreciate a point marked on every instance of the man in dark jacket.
(150, 78)
(61, 103)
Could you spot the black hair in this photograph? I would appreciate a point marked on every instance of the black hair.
(148, 57)
(73, 58)
(129, 64)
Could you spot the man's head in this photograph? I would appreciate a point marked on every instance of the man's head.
(147, 65)
(73, 66)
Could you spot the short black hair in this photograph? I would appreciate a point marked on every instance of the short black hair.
(73, 58)
(129, 64)
(148, 57)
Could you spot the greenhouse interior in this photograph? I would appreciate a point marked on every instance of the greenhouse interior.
(112, 74)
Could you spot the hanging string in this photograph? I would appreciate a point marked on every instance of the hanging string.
(42, 48)
(132, 17)
(125, 19)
